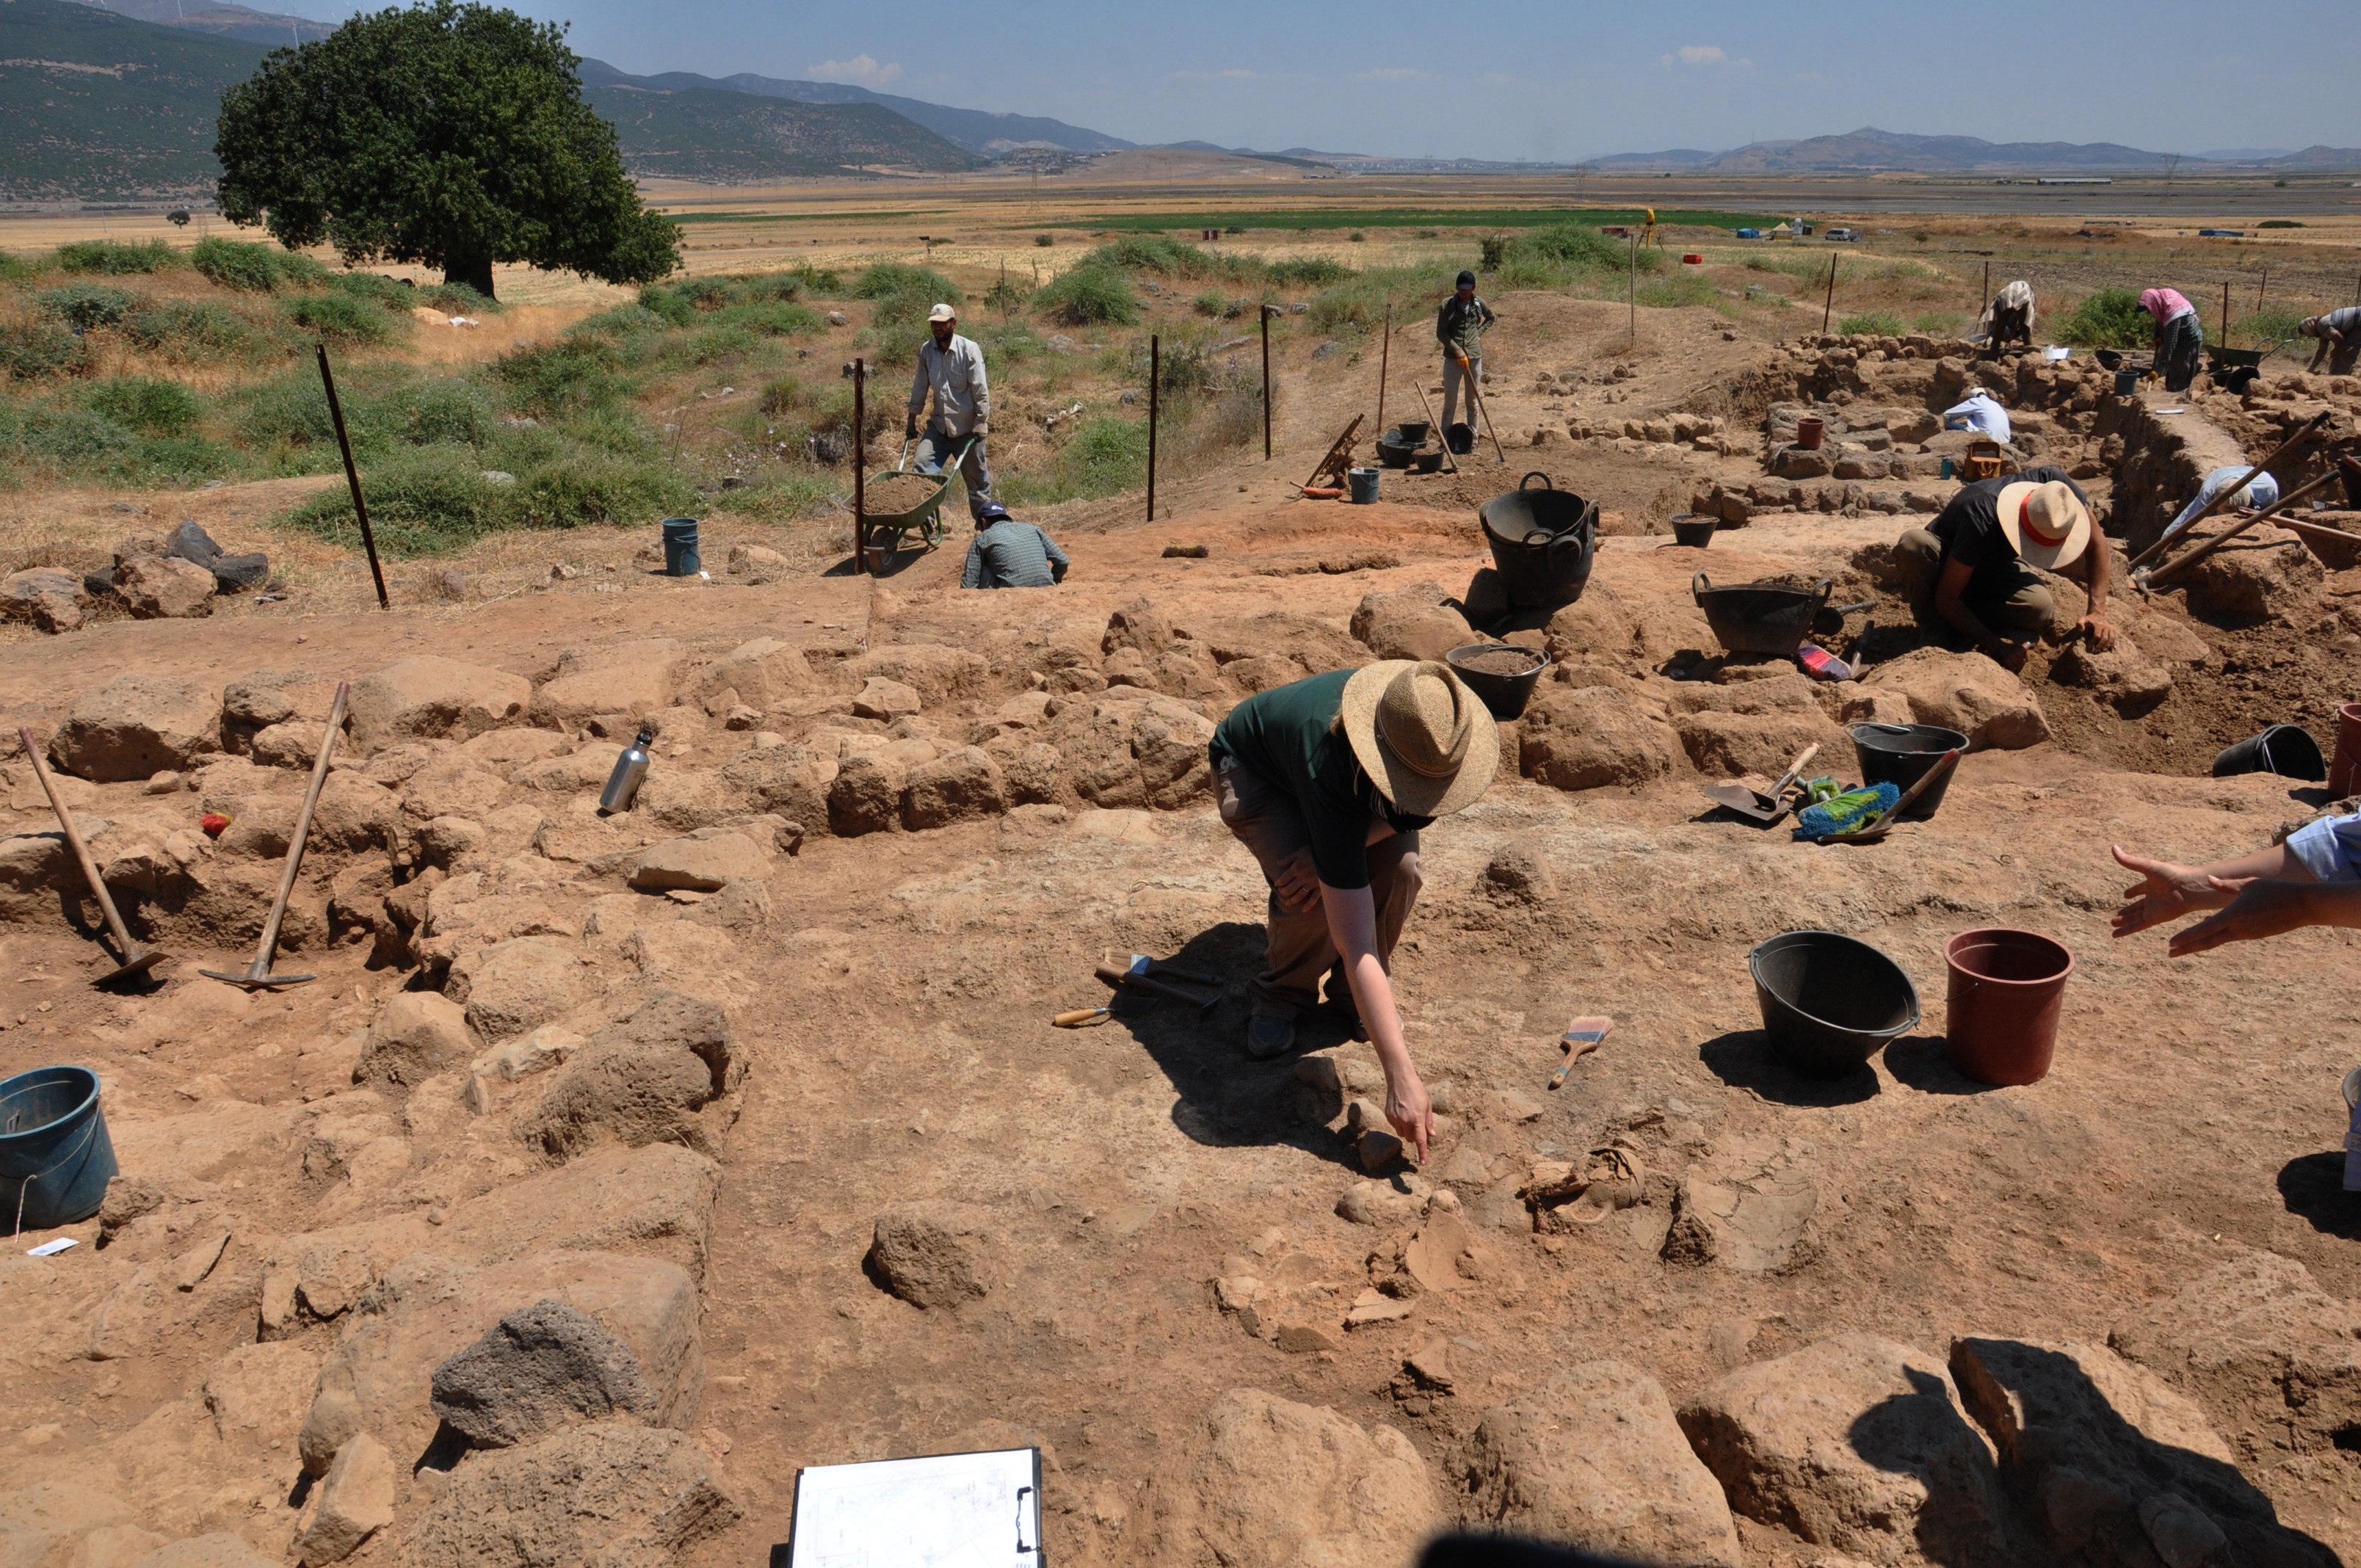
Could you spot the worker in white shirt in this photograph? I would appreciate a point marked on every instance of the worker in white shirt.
(951, 367)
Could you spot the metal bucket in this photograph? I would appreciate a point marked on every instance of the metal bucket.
(1542, 542)
(1759, 618)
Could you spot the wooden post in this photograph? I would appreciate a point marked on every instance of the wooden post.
(1385, 354)
(2261, 289)
(353, 478)
(1630, 294)
(2225, 313)
(1264, 311)
(1987, 300)
(1155, 368)
(859, 472)
(1829, 308)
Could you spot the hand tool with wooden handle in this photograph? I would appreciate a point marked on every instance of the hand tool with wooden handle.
(1140, 981)
(1080, 1017)
(1883, 825)
(257, 976)
(135, 958)
(1141, 963)
(1581, 1038)
(1762, 806)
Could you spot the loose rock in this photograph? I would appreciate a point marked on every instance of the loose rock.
(930, 1257)
(136, 725)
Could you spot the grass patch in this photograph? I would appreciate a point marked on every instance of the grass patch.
(2108, 319)
(254, 268)
(1875, 324)
(87, 306)
(148, 404)
(2272, 324)
(1314, 218)
(784, 498)
(116, 257)
(32, 349)
(1106, 457)
(1090, 296)
(342, 318)
(15, 269)
(1680, 291)
(1359, 301)
(192, 332)
(883, 280)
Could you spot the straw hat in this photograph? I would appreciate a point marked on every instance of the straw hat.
(942, 313)
(1426, 741)
(2048, 524)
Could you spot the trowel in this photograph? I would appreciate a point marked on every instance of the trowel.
(1761, 804)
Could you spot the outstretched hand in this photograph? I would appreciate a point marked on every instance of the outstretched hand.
(2100, 630)
(2164, 893)
(2258, 908)
(1410, 1113)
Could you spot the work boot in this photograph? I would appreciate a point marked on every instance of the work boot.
(1269, 1037)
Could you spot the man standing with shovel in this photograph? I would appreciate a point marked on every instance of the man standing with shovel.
(1328, 782)
(1459, 327)
(951, 367)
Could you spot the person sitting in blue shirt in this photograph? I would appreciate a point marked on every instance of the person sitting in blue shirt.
(1011, 554)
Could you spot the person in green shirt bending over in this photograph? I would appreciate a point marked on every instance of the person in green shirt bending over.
(1328, 782)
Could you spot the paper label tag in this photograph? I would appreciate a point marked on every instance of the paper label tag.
(51, 1249)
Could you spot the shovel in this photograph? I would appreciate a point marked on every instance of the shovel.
(1872, 832)
(135, 958)
(1138, 978)
(257, 976)
(1761, 806)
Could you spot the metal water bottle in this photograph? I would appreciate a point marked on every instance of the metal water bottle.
(630, 769)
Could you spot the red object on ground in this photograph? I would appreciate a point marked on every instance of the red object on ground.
(1693, 259)
(1323, 493)
(2002, 1004)
(214, 822)
(2345, 772)
(1810, 431)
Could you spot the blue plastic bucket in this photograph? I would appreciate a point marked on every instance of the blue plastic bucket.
(680, 547)
(1363, 483)
(55, 1156)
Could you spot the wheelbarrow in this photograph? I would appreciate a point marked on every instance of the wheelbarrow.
(1760, 618)
(889, 531)
(2234, 368)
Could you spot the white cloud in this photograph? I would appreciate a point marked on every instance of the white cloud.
(1239, 75)
(1391, 73)
(1705, 56)
(860, 71)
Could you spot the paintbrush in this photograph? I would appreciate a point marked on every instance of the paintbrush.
(1581, 1038)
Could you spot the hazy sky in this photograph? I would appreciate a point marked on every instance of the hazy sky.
(1532, 79)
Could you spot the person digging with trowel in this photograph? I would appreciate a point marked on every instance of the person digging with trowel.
(951, 367)
(1971, 568)
(1328, 782)
(1459, 327)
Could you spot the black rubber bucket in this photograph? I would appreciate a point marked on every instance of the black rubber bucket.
(2286, 749)
(55, 1156)
(1506, 695)
(1830, 1002)
(1542, 542)
(1697, 532)
(1901, 754)
(1759, 618)
(1414, 432)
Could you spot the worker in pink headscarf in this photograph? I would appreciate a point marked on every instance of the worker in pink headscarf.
(2179, 337)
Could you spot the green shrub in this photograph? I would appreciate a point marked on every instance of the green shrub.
(1007, 296)
(425, 413)
(2278, 223)
(254, 268)
(790, 495)
(1045, 240)
(816, 280)
(15, 269)
(115, 256)
(289, 411)
(2272, 324)
(774, 318)
(31, 349)
(2108, 319)
(708, 346)
(1213, 302)
(1938, 322)
(781, 396)
(1876, 324)
(601, 489)
(1307, 271)
(341, 318)
(1108, 454)
(575, 373)
(77, 443)
(885, 279)
(148, 404)
(191, 331)
(1680, 289)
(459, 299)
(1559, 254)
(386, 293)
(87, 306)
(1090, 296)
(423, 504)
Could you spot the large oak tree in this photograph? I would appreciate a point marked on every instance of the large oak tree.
(448, 133)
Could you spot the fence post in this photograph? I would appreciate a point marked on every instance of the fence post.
(353, 478)
(1155, 368)
(860, 471)
(1264, 312)
(1828, 308)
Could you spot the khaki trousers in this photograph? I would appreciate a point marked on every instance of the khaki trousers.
(1271, 827)
(2027, 607)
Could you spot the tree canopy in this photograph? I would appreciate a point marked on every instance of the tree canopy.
(448, 133)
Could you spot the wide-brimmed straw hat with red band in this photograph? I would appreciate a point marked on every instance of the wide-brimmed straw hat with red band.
(1428, 743)
(2048, 524)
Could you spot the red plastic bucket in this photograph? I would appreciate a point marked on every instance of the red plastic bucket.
(1808, 431)
(2000, 1018)
(1693, 259)
(2345, 772)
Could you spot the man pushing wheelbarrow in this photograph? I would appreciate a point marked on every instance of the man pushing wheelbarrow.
(951, 366)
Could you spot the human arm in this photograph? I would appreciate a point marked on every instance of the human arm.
(1058, 560)
(2095, 622)
(2167, 891)
(1352, 927)
(917, 394)
(2269, 907)
(1952, 603)
(982, 385)
(971, 575)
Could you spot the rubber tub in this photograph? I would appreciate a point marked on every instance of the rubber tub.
(1363, 483)
(1505, 695)
(1759, 618)
(1697, 532)
(2001, 1008)
(1901, 754)
(1830, 1002)
(680, 547)
(55, 1156)
(1543, 542)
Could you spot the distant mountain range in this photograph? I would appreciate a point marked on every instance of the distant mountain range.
(721, 137)
(1870, 150)
(978, 131)
(222, 20)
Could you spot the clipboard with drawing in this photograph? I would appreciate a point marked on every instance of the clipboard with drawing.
(945, 1510)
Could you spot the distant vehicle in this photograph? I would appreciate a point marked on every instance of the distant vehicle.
(1750, 234)
(2220, 234)
(1844, 233)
